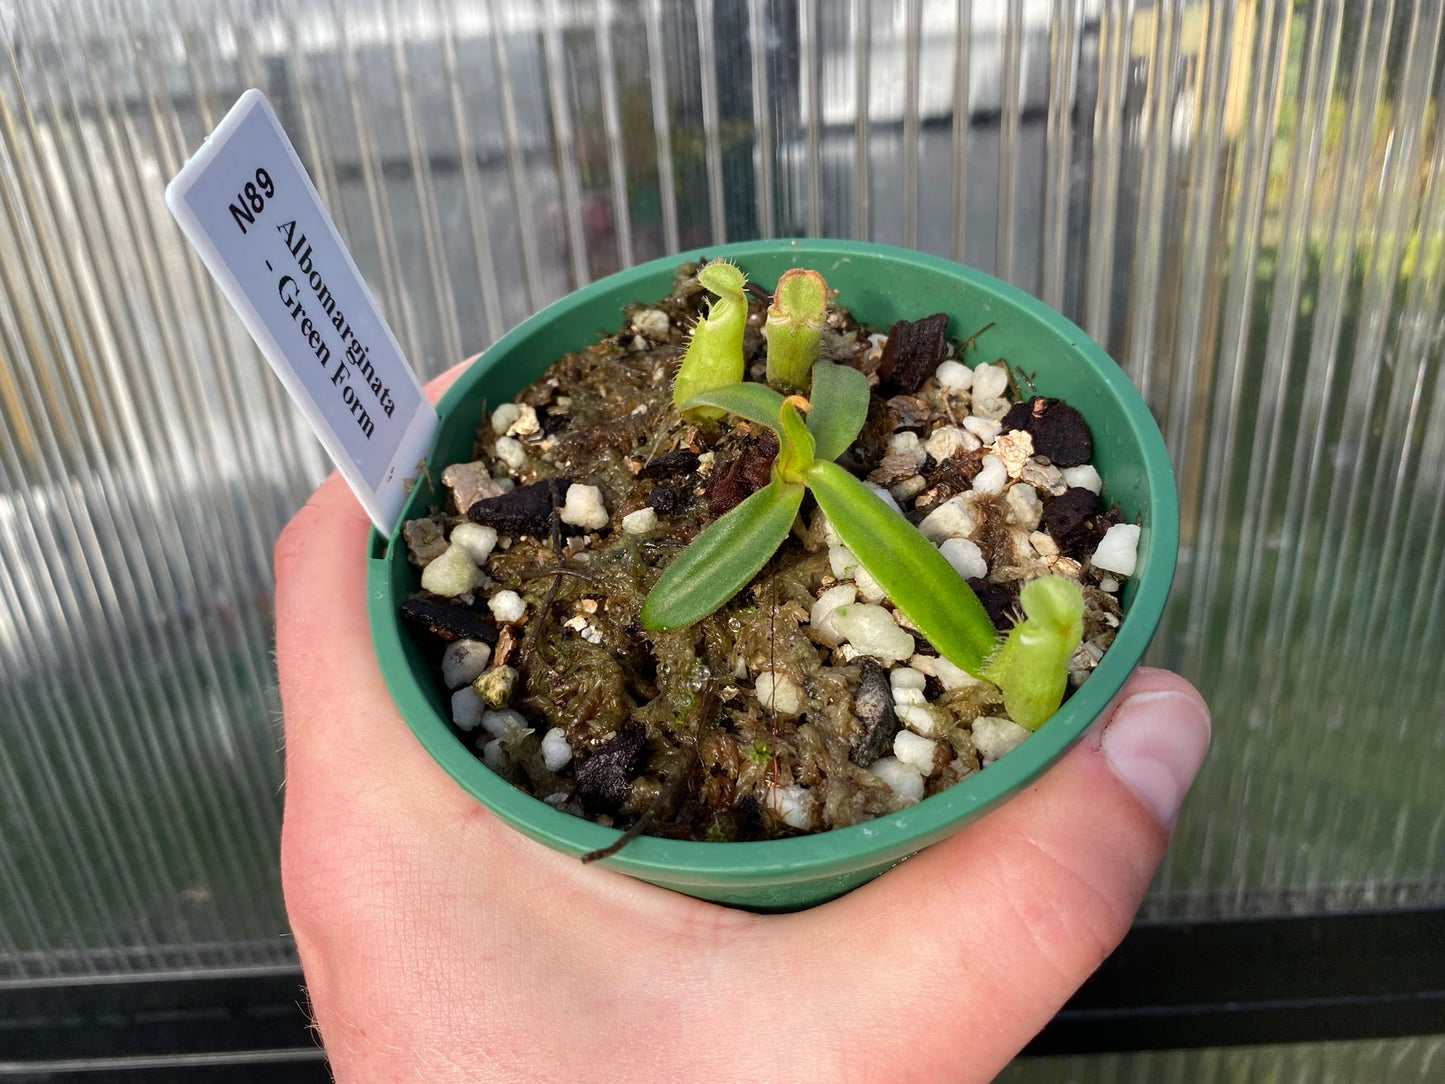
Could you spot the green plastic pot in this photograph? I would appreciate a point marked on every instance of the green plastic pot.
(880, 285)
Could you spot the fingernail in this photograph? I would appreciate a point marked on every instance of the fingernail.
(1156, 743)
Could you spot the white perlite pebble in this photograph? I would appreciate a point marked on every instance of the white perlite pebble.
(949, 441)
(954, 376)
(507, 607)
(993, 737)
(965, 557)
(820, 617)
(1085, 477)
(869, 590)
(951, 519)
(842, 562)
(504, 416)
(927, 719)
(477, 540)
(1024, 507)
(989, 381)
(1044, 544)
(906, 677)
(556, 750)
(584, 508)
(904, 781)
(847, 567)
(467, 708)
(795, 805)
(640, 522)
(493, 757)
(451, 574)
(470, 483)
(906, 444)
(908, 489)
(872, 631)
(653, 323)
(993, 409)
(951, 677)
(917, 753)
(1118, 550)
(464, 662)
(505, 723)
(780, 692)
(992, 478)
(511, 452)
(1045, 477)
(985, 429)
(908, 698)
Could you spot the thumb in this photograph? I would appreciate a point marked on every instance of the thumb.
(986, 934)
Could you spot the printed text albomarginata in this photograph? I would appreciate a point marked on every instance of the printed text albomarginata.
(310, 322)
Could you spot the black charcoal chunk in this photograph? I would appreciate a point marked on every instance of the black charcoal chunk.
(912, 354)
(1019, 416)
(1000, 601)
(448, 621)
(604, 780)
(670, 500)
(1060, 433)
(678, 464)
(524, 510)
(553, 421)
(1074, 520)
(873, 705)
(749, 810)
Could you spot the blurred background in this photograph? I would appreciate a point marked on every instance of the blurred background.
(1243, 201)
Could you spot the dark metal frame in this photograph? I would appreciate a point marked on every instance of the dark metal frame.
(1170, 985)
(1280, 979)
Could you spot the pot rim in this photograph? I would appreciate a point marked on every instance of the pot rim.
(680, 863)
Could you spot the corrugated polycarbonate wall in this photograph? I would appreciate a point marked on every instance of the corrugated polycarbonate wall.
(1402, 1061)
(1245, 202)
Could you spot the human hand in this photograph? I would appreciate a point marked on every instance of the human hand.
(439, 944)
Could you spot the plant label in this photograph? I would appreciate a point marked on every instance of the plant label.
(246, 204)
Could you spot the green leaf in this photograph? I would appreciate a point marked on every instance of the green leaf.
(723, 558)
(755, 402)
(1032, 667)
(795, 454)
(840, 407)
(918, 578)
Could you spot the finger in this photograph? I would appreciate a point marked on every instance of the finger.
(986, 934)
(437, 386)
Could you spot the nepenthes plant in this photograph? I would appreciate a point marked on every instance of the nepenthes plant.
(1030, 665)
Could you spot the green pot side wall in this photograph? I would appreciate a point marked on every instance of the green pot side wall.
(879, 285)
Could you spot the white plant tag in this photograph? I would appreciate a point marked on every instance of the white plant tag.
(246, 204)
